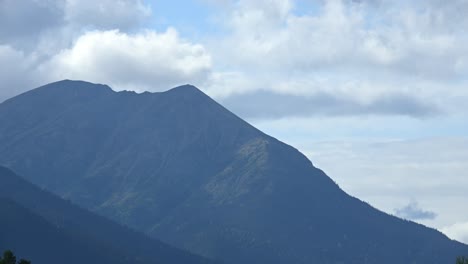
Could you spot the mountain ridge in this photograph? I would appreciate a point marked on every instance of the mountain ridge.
(39, 223)
(180, 167)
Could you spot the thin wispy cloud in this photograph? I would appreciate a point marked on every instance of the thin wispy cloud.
(271, 105)
(412, 211)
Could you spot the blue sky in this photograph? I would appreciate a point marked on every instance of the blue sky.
(191, 18)
(374, 92)
(198, 17)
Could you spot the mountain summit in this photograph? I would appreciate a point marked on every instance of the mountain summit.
(181, 168)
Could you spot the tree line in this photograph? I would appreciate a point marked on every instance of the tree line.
(462, 260)
(10, 258)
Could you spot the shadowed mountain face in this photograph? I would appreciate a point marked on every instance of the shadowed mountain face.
(46, 229)
(179, 167)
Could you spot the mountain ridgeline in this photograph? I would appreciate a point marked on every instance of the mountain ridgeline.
(179, 167)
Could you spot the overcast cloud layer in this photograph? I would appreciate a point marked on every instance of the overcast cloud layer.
(377, 86)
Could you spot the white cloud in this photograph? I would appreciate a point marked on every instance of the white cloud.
(142, 61)
(458, 231)
(99, 41)
(16, 72)
(107, 14)
(221, 84)
(24, 23)
(44, 41)
(352, 50)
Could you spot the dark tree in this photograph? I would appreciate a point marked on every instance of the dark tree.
(462, 260)
(10, 258)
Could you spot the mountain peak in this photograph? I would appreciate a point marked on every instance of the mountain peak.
(181, 168)
(185, 87)
(71, 89)
(186, 90)
(75, 84)
(188, 93)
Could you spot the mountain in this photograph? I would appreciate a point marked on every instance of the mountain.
(34, 237)
(179, 167)
(46, 229)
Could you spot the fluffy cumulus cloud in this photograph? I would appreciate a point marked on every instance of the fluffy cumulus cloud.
(360, 51)
(348, 35)
(142, 61)
(100, 41)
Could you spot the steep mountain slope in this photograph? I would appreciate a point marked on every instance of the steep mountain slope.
(179, 167)
(37, 239)
(47, 229)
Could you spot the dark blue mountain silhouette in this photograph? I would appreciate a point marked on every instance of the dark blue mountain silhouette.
(180, 167)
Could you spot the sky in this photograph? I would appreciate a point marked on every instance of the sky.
(374, 92)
